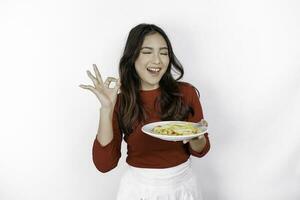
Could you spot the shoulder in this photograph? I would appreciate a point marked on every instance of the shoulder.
(189, 92)
(187, 88)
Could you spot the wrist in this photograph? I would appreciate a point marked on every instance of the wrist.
(106, 108)
(197, 141)
(106, 111)
(198, 144)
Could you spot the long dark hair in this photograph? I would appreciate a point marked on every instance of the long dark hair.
(170, 102)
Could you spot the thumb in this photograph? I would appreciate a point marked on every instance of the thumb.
(185, 141)
(201, 136)
(118, 84)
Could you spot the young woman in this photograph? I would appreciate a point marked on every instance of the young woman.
(147, 92)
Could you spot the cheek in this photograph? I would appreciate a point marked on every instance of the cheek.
(142, 59)
(166, 61)
(137, 63)
(139, 66)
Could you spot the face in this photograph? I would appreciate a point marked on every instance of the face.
(152, 62)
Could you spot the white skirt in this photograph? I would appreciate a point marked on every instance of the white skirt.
(174, 183)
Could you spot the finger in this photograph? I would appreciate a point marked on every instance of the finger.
(87, 87)
(98, 75)
(185, 141)
(95, 81)
(118, 84)
(109, 80)
(91, 88)
(201, 136)
(203, 122)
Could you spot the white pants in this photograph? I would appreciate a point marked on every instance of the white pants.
(175, 183)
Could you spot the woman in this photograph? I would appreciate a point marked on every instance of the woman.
(147, 92)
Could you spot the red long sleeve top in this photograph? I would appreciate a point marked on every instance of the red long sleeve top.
(143, 150)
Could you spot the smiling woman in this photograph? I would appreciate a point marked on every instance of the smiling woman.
(152, 61)
(154, 58)
(147, 92)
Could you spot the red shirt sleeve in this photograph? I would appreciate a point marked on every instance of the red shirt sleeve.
(204, 150)
(107, 157)
(194, 102)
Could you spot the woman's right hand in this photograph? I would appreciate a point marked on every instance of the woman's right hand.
(107, 96)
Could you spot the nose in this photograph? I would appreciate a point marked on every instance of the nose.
(156, 58)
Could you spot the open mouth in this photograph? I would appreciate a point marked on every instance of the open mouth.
(153, 70)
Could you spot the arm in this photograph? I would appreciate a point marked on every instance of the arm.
(105, 129)
(199, 146)
(107, 144)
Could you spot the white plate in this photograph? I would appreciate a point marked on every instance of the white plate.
(148, 130)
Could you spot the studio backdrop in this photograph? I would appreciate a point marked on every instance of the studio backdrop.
(243, 56)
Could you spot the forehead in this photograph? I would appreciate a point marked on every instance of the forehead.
(154, 40)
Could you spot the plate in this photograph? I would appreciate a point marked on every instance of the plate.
(148, 129)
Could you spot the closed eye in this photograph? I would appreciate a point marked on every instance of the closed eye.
(150, 53)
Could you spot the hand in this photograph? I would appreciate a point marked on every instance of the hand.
(202, 123)
(106, 95)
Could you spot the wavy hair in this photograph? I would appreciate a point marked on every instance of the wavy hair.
(170, 102)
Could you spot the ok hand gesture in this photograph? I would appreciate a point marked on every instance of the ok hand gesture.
(106, 95)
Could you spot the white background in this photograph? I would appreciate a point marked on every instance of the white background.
(243, 56)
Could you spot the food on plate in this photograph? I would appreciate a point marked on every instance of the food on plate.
(176, 129)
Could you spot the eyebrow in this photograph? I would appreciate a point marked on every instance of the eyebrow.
(152, 48)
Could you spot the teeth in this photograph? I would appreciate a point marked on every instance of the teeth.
(153, 69)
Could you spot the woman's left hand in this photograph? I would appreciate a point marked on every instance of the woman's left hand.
(202, 123)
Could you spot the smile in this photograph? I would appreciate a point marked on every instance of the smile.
(153, 69)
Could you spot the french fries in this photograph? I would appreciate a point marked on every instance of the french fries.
(176, 129)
